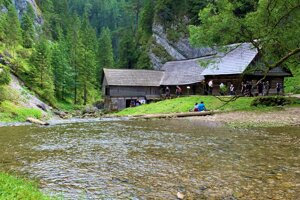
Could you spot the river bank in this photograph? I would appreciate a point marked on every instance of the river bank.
(242, 112)
(273, 118)
(17, 188)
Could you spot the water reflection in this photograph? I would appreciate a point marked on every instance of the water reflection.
(155, 160)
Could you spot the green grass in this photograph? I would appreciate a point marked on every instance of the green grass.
(184, 104)
(15, 188)
(68, 107)
(9, 112)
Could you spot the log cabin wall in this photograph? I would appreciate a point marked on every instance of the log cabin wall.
(133, 91)
(118, 97)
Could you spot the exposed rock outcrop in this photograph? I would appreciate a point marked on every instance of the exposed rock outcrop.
(25, 98)
(179, 50)
(21, 6)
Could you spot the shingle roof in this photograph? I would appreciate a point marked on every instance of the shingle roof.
(127, 77)
(235, 61)
(182, 72)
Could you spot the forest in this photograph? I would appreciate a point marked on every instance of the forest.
(60, 56)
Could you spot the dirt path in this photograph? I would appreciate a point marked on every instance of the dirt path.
(287, 116)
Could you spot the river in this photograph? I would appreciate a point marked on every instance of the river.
(155, 159)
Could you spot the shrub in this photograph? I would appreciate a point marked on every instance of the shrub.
(271, 101)
(4, 76)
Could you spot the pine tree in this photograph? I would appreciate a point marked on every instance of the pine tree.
(62, 70)
(13, 29)
(30, 12)
(147, 18)
(41, 73)
(28, 30)
(88, 62)
(128, 50)
(105, 54)
(75, 43)
(3, 24)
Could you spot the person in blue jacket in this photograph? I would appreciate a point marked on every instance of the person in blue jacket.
(201, 107)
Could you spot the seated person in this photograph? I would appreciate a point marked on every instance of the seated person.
(196, 107)
(201, 107)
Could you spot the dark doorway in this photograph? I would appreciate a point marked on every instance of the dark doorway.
(128, 102)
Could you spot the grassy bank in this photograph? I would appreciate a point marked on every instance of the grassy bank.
(184, 104)
(10, 112)
(14, 188)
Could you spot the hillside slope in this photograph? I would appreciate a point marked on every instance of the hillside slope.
(21, 103)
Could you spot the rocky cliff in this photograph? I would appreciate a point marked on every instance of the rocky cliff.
(21, 6)
(163, 49)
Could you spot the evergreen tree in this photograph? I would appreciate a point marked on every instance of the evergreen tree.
(13, 31)
(4, 76)
(144, 61)
(5, 3)
(28, 30)
(30, 12)
(147, 18)
(3, 24)
(41, 73)
(75, 43)
(105, 54)
(128, 50)
(62, 70)
(87, 67)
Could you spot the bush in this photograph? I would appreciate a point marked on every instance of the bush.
(271, 101)
(4, 76)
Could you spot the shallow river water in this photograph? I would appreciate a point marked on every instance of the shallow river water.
(155, 160)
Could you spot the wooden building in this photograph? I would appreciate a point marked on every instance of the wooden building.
(235, 65)
(240, 63)
(122, 86)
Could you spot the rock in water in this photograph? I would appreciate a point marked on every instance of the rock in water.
(180, 195)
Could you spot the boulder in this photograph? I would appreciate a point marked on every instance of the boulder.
(61, 114)
(89, 110)
(42, 106)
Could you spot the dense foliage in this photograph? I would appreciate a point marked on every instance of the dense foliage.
(62, 58)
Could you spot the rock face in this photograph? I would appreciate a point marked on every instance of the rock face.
(21, 6)
(179, 50)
